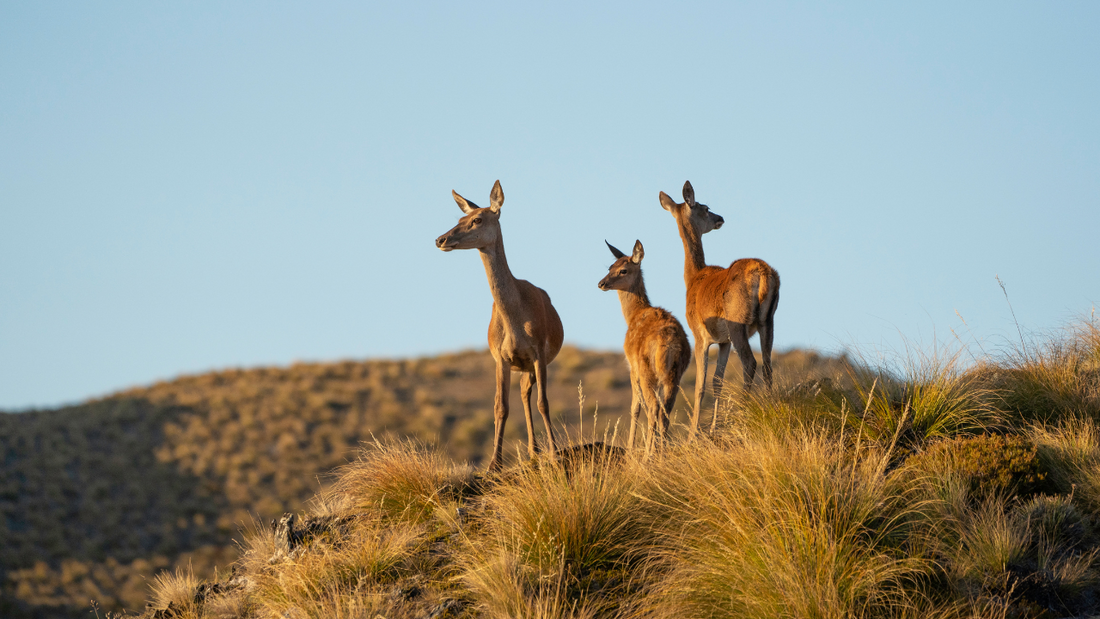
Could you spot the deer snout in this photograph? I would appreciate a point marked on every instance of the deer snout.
(718, 221)
(603, 284)
(441, 243)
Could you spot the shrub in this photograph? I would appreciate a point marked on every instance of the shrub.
(990, 464)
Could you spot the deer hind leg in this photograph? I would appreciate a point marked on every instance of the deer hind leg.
(719, 379)
(700, 380)
(500, 413)
(740, 338)
(526, 382)
(635, 408)
(544, 407)
(649, 400)
(668, 385)
(767, 333)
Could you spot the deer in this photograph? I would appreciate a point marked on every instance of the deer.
(656, 346)
(525, 332)
(724, 306)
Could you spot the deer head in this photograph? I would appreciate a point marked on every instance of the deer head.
(691, 213)
(479, 227)
(626, 271)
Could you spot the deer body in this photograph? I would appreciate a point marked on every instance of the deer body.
(656, 346)
(525, 332)
(724, 306)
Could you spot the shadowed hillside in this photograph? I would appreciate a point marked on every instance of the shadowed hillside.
(99, 497)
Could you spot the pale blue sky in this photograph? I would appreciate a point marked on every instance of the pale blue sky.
(205, 185)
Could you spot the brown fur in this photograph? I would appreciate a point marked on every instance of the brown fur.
(724, 306)
(525, 332)
(656, 347)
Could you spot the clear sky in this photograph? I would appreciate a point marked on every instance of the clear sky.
(191, 186)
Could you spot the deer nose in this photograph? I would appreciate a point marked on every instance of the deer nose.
(439, 242)
(718, 221)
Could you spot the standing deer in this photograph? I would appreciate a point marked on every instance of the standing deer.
(525, 333)
(724, 306)
(656, 346)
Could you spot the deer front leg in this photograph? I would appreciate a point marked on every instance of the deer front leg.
(701, 347)
(500, 413)
(544, 407)
(526, 381)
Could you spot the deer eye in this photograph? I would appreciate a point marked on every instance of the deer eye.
(477, 220)
(622, 271)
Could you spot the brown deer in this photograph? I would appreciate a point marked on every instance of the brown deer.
(525, 333)
(724, 306)
(656, 346)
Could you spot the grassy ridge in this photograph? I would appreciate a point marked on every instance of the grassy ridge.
(98, 498)
(941, 491)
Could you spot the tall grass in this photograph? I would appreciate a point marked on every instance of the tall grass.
(569, 536)
(780, 525)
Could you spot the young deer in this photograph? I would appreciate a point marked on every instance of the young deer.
(656, 346)
(724, 306)
(525, 333)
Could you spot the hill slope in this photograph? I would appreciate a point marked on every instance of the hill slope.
(938, 490)
(97, 498)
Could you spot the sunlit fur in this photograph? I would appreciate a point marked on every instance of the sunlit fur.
(656, 346)
(724, 306)
(525, 333)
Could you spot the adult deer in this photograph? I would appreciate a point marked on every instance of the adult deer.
(724, 306)
(525, 333)
(656, 346)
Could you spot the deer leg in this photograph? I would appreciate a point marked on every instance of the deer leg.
(650, 416)
(767, 332)
(635, 409)
(544, 407)
(719, 379)
(700, 380)
(667, 403)
(720, 367)
(500, 413)
(740, 338)
(526, 381)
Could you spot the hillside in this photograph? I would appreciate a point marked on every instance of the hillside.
(940, 489)
(98, 498)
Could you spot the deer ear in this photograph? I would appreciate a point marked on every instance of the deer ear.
(496, 198)
(639, 253)
(464, 204)
(689, 193)
(614, 252)
(667, 203)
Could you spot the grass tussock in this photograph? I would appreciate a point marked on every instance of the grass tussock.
(925, 491)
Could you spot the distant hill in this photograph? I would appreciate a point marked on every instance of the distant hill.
(99, 497)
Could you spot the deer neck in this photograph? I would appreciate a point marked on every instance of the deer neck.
(634, 301)
(694, 261)
(502, 284)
